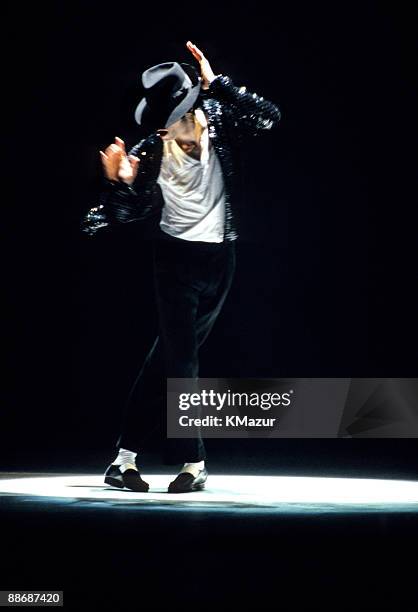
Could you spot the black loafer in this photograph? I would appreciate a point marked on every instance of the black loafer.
(186, 482)
(129, 478)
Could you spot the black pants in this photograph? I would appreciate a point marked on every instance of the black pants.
(192, 280)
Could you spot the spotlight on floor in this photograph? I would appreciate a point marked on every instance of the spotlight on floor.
(239, 493)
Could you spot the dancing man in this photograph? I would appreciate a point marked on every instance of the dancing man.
(183, 174)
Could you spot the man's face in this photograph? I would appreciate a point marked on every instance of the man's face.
(181, 129)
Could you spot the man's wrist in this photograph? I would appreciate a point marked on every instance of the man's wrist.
(117, 184)
(126, 182)
(210, 81)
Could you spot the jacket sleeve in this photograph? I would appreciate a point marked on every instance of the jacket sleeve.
(251, 112)
(119, 202)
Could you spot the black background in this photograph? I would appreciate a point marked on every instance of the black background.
(327, 269)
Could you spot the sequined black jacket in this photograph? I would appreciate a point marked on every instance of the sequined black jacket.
(232, 115)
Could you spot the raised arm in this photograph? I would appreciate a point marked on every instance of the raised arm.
(251, 112)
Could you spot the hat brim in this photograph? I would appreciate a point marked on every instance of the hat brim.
(145, 117)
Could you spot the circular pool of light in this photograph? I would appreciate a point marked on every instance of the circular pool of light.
(226, 492)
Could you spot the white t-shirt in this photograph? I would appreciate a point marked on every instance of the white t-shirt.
(193, 192)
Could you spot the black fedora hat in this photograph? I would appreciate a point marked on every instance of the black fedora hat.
(171, 89)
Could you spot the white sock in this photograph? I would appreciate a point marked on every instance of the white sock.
(125, 459)
(193, 468)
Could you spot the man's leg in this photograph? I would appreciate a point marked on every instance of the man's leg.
(140, 418)
(177, 301)
(208, 274)
(136, 424)
(217, 278)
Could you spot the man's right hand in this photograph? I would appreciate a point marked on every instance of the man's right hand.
(118, 166)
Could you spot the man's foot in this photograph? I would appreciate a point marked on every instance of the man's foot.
(187, 482)
(125, 475)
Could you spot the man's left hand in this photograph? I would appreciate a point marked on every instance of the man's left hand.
(205, 68)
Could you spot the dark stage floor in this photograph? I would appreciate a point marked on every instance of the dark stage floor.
(286, 539)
